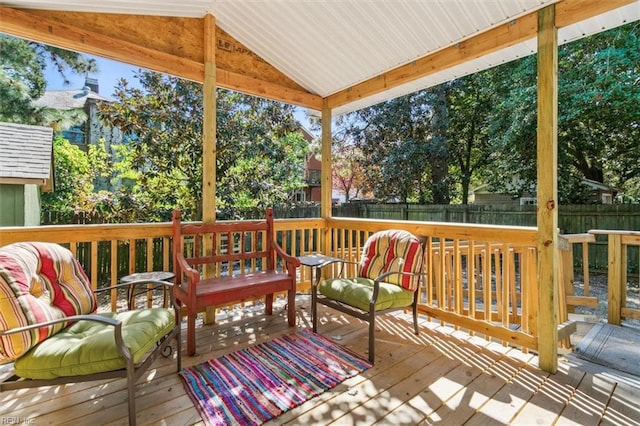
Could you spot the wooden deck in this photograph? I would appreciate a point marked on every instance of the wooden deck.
(443, 376)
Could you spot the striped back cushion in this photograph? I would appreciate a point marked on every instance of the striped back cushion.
(39, 282)
(392, 250)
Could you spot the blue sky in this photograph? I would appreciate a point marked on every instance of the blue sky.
(109, 72)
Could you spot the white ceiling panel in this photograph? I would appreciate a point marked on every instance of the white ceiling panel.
(329, 45)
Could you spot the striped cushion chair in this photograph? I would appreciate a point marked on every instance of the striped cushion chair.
(39, 282)
(387, 279)
(51, 332)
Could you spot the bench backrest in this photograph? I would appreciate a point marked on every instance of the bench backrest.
(233, 247)
(39, 282)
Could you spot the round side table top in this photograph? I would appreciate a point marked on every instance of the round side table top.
(154, 275)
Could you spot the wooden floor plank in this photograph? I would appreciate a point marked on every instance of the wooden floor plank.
(442, 376)
(511, 398)
(623, 408)
(435, 384)
(374, 385)
(549, 402)
(463, 405)
(588, 402)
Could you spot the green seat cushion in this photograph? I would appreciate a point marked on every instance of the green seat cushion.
(88, 347)
(357, 292)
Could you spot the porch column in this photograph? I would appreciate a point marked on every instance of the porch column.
(326, 180)
(209, 141)
(209, 122)
(547, 217)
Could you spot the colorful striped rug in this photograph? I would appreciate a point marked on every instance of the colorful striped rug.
(256, 384)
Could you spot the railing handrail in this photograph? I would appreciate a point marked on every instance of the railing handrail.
(515, 235)
(612, 232)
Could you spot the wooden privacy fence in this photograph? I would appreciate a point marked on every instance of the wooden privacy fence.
(572, 219)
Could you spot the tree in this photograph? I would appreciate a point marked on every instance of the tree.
(347, 173)
(395, 149)
(470, 107)
(259, 150)
(420, 146)
(22, 81)
(598, 119)
(74, 173)
(599, 108)
(347, 159)
(439, 148)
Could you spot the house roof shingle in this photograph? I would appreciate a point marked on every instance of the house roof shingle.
(25, 151)
(68, 99)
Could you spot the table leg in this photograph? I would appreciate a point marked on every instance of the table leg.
(314, 306)
(131, 297)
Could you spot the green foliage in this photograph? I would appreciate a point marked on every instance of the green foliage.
(598, 116)
(21, 80)
(391, 138)
(599, 111)
(471, 110)
(259, 152)
(482, 128)
(73, 177)
(418, 147)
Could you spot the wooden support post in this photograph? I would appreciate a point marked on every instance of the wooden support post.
(209, 141)
(616, 286)
(547, 217)
(209, 122)
(326, 180)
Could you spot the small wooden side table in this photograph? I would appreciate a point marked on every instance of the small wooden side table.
(146, 276)
(316, 262)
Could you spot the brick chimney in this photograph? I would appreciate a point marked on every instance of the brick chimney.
(92, 83)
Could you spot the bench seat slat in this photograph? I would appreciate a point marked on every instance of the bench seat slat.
(221, 290)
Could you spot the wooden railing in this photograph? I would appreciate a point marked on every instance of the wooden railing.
(146, 247)
(623, 251)
(480, 277)
(620, 248)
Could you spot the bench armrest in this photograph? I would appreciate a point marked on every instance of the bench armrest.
(294, 261)
(183, 267)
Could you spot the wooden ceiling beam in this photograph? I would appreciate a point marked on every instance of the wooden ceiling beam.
(497, 38)
(157, 54)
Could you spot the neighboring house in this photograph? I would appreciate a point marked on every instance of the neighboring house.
(312, 169)
(92, 131)
(25, 169)
(312, 177)
(600, 194)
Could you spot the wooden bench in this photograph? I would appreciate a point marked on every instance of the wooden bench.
(224, 262)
